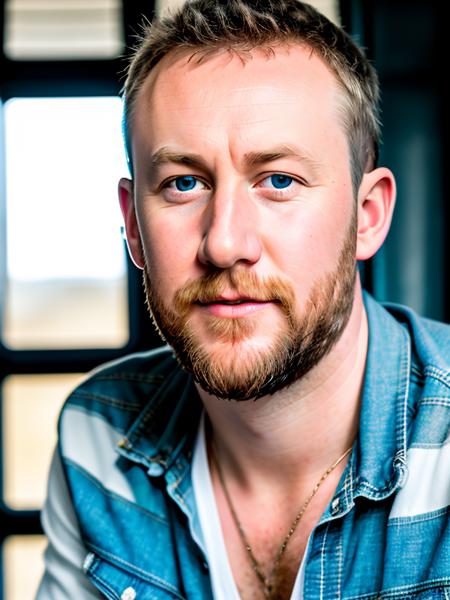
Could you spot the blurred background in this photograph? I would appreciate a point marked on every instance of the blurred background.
(69, 297)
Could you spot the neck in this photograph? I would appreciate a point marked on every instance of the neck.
(311, 423)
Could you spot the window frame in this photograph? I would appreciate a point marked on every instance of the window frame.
(45, 79)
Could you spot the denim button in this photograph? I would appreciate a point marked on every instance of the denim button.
(88, 562)
(335, 506)
(128, 594)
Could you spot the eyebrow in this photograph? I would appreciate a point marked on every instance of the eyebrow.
(251, 159)
(165, 155)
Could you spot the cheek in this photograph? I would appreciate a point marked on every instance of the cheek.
(170, 253)
(305, 243)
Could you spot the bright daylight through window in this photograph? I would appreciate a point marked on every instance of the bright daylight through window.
(66, 270)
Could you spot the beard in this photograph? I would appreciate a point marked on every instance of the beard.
(240, 373)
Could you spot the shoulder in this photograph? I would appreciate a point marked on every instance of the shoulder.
(427, 489)
(412, 364)
(103, 408)
(126, 384)
(410, 357)
(430, 339)
(124, 409)
(142, 368)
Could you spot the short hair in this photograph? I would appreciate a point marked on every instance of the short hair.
(205, 26)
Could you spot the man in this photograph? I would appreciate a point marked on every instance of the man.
(301, 449)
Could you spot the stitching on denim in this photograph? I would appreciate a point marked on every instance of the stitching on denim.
(446, 442)
(322, 562)
(104, 585)
(104, 399)
(417, 372)
(113, 495)
(447, 593)
(438, 374)
(378, 491)
(150, 411)
(429, 516)
(147, 417)
(436, 401)
(428, 585)
(406, 369)
(108, 400)
(176, 493)
(351, 488)
(149, 577)
(340, 552)
(136, 454)
(124, 376)
(347, 483)
(429, 446)
(369, 485)
(393, 593)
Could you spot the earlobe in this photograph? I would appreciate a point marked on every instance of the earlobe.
(376, 200)
(126, 199)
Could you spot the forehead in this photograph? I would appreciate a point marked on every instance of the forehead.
(288, 92)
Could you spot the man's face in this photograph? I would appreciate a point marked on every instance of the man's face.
(244, 204)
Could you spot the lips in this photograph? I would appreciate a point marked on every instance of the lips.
(233, 307)
(232, 302)
(229, 301)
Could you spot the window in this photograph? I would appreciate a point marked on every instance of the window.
(31, 404)
(20, 551)
(51, 29)
(66, 281)
(69, 297)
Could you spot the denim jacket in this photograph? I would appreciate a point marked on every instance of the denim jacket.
(126, 443)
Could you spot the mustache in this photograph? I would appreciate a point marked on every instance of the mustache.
(246, 284)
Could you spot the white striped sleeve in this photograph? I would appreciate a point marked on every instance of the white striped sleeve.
(63, 577)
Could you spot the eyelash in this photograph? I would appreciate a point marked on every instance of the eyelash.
(168, 183)
(279, 193)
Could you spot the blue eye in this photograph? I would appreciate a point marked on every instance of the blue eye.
(186, 183)
(280, 181)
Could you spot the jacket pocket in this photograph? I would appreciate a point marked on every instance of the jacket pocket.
(118, 580)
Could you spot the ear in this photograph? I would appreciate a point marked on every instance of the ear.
(376, 200)
(126, 199)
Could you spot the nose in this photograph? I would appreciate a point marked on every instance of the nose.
(230, 231)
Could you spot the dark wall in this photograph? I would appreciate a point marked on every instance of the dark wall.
(405, 39)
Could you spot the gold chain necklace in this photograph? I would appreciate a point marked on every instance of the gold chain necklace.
(266, 582)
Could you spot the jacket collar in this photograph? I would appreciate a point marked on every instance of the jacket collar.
(378, 465)
(166, 425)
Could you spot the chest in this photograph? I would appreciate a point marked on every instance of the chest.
(269, 578)
(362, 555)
(265, 550)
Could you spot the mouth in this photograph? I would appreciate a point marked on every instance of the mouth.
(228, 301)
(233, 307)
